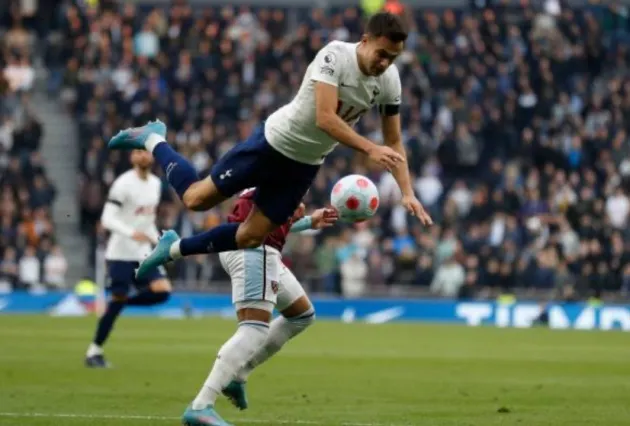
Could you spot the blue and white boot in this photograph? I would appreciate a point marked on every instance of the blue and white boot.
(135, 137)
(160, 255)
(235, 392)
(206, 417)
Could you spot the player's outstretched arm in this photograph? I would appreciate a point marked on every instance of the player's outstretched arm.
(392, 136)
(321, 218)
(326, 98)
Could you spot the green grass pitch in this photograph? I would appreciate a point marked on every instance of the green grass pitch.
(335, 374)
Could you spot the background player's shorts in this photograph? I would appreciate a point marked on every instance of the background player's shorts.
(259, 275)
(121, 277)
(280, 182)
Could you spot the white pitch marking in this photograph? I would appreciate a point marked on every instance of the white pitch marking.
(165, 418)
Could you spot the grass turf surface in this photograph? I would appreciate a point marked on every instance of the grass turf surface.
(335, 374)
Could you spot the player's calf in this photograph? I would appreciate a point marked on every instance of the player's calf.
(294, 320)
(95, 357)
(251, 334)
(254, 230)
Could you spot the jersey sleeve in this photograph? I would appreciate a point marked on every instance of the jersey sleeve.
(117, 193)
(390, 101)
(110, 218)
(328, 65)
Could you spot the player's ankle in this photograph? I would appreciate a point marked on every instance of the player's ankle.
(175, 251)
(94, 350)
(200, 405)
(152, 141)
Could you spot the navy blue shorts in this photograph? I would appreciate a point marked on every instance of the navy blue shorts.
(280, 182)
(122, 276)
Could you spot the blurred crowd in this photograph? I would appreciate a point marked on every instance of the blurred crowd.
(515, 120)
(29, 256)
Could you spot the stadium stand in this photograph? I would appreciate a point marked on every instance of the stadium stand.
(515, 121)
(30, 256)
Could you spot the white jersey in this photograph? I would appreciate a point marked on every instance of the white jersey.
(131, 206)
(292, 129)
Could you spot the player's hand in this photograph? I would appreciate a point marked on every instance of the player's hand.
(141, 237)
(385, 156)
(299, 213)
(414, 207)
(324, 218)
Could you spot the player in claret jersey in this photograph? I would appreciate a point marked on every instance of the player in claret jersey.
(259, 281)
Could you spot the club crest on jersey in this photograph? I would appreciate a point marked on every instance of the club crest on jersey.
(330, 59)
(375, 93)
(328, 67)
(274, 286)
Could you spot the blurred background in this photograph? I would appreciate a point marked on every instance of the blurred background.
(515, 119)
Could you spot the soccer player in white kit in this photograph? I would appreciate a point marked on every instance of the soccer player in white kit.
(281, 158)
(129, 215)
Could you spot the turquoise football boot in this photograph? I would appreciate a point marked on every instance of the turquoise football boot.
(135, 137)
(206, 417)
(235, 392)
(159, 256)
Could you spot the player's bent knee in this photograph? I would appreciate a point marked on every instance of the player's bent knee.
(251, 314)
(247, 238)
(254, 230)
(254, 310)
(161, 286)
(300, 306)
(303, 320)
(250, 237)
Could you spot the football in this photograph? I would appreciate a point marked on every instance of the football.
(355, 197)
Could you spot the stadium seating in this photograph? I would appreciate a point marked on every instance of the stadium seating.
(515, 122)
(30, 257)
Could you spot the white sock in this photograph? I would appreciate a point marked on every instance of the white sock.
(152, 141)
(281, 331)
(174, 251)
(249, 337)
(94, 350)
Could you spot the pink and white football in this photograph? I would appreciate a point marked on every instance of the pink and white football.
(355, 197)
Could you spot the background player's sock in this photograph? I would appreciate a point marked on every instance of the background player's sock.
(94, 350)
(281, 331)
(218, 239)
(180, 173)
(148, 298)
(106, 323)
(249, 337)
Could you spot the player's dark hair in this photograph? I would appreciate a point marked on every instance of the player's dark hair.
(387, 25)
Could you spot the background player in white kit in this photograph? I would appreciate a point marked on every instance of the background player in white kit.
(129, 215)
(281, 158)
